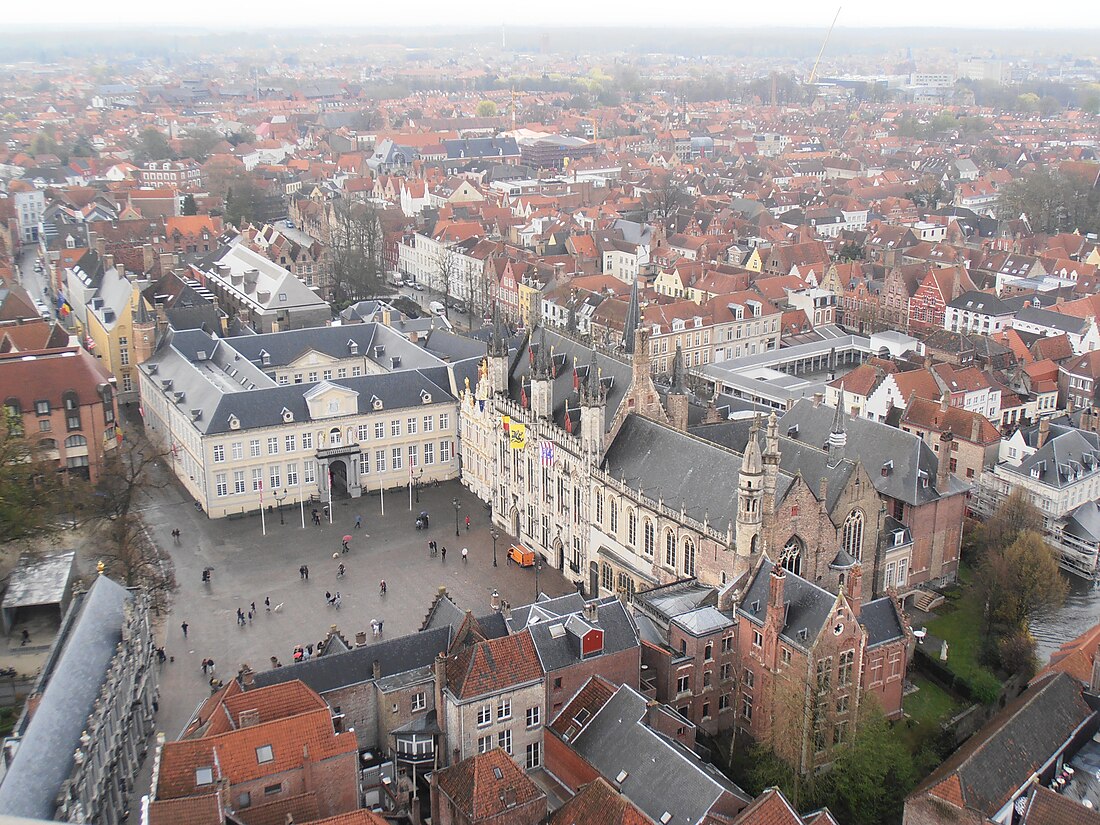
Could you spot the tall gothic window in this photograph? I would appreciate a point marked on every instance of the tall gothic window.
(670, 549)
(853, 535)
(631, 527)
(689, 557)
(613, 506)
(647, 530)
(791, 558)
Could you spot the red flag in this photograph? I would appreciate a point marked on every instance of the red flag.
(568, 421)
(576, 379)
(523, 396)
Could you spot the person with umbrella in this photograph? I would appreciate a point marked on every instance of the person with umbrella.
(347, 548)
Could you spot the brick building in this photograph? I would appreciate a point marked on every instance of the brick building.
(262, 755)
(63, 401)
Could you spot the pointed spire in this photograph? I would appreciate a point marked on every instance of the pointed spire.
(677, 387)
(498, 344)
(752, 463)
(542, 365)
(838, 420)
(633, 319)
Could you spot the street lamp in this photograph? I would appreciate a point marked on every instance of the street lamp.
(419, 476)
(494, 535)
(279, 499)
(538, 567)
(457, 506)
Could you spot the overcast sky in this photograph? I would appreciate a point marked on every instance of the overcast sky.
(1063, 14)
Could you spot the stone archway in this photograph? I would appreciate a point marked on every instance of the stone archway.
(338, 470)
(513, 521)
(559, 553)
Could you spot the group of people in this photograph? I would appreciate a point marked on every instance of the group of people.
(333, 599)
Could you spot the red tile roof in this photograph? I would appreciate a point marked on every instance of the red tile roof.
(1075, 657)
(599, 802)
(46, 375)
(487, 784)
(493, 666)
(1045, 807)
(964, 424)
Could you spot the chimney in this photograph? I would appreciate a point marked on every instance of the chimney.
(975, 429)
(100, 246)
(775, 592)
(1044, 433)
(818, 398)
(248, 676)
(945, 401)
(591, 613)
(1094, 682)
(943, 470)
(440, 708)
(376, 670)
(855, 588)
(108, 261)
(361, 639)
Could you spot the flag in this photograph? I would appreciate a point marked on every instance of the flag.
(546, 453)
(517, 436)
(568, 421)
(506, 422)
(576, 377)
(522, 396)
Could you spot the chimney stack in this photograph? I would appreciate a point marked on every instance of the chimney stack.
(776, 583)
(248, 676)
(376, 669)
(855, 589)
(1044, 433)
(943, 469)
(361, 639)
(591, 613)
(975, 429)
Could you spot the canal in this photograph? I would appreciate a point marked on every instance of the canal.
(1080, 612)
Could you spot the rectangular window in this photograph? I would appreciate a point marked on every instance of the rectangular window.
(395, 428)
(429, 453)
(504, 740)
(42, 407)
(824, 674)
(444, 421)
(379, 429)
(534, 755)
(785, 655)
(257, 478)
(419, 701)
(412, 455)
(749, 678)
(484, 715)
(534, 717)
(221, 484)
(363, 432)
(484, 743)
(271, 790)
(309, 472)
(342, 372)
(746, 708)
(219, 452)
(429, 423)
(504, 709)
(288, 443)
(683, 684)
(757, 639)
(313, 377)
(264, 754)
(410, 426)
(397, 458)
(727, 644)
(238, 450)
(380, 461)
(238, 481)
(276, 481)
(292, 474)
(273, 445)
(444, 451)
(327, 375)
(356, 372)
(307, 441)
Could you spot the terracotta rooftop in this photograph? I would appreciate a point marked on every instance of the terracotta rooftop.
(487, 784)
(493, 666)
(599, 802)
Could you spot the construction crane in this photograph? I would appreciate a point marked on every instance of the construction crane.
(813, 71)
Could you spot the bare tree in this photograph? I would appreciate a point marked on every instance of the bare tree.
(667, 198)
(355, 250)
(446, 271)
(131, 556)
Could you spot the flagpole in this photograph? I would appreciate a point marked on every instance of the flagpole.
(410, 488)
(263, 519)
(301, 500)
(330, 495)
(382, 496)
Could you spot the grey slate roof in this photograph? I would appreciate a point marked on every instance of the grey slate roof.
(44, 759)
(488, 147)
(558, 650)
(544, 610)
(394, 656)
(664, 462)
(1052, 320)
(1067, 456)
(808, 606)
(982, 303)
(662, 776)
(881, 621)
(1084, 522)
(39, 581)
(703, 621)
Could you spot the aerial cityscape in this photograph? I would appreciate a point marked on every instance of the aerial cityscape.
(501, 420)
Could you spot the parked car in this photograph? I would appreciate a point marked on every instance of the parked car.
(419, 287)
(437, 308)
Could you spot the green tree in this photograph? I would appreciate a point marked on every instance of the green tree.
(44, 143)
(1021, 581)
(1013, 516)
(242, 135)
(871, 774)
(487, 108)
(199, 143)
(355, 250)
(152, 145)
(189, 205)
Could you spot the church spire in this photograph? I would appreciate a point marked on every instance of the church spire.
(838, 436)
(633, 319)
(498, 343)
(677, 372)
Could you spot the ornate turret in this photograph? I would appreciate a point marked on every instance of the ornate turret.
(498, 357)
(145, 332)
(593, 400)
(542, 380)
(633, 320)
(838, 437)
(677, 400)
(750, 493)
(771, 463)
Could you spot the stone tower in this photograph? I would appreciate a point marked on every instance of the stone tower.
(498, 357)
(542, 380)
(750, 494)
(144, 331)
(771, 463)
(593, 412)
(677, 401)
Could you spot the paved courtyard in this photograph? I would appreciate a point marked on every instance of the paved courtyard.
(250, 567)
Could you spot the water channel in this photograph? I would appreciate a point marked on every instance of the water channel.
(1080, 612)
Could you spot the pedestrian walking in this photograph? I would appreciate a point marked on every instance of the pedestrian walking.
(250, 615)
(443, 553)
(267, 603)
(467, 524)
(325, 510)
(328, 597)
(204, 666)
(340, 570)
(301, 571)
(374, 628)
(465, 554)
(305, 568)
(346, 548)
(379, 627)
(210, 664)
(161, 655)
(240, 617)
(254, 610)
(382, 588)
(184, 627)
(358, 522)
(309, 650)
(26, 638)
(336, 600)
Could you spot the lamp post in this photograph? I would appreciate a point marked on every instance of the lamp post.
(419, 476)
(494, 535)
(457, 507)
(279, 499)
(538, 567)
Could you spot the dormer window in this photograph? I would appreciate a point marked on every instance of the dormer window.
(375, 402)
(353, 347)
(234, 422)
(288, 416)
(265, 358)
(425, 397)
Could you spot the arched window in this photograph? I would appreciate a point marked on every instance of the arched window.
(670, 549)
(689, 557)
(647, 533)
(853, 535)
(599, 508)
(606, 579)
(625, 584)
(335, 437)
(613, 506)
(791, 558)
(76, 441)
(49, 443)
(631, 527)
